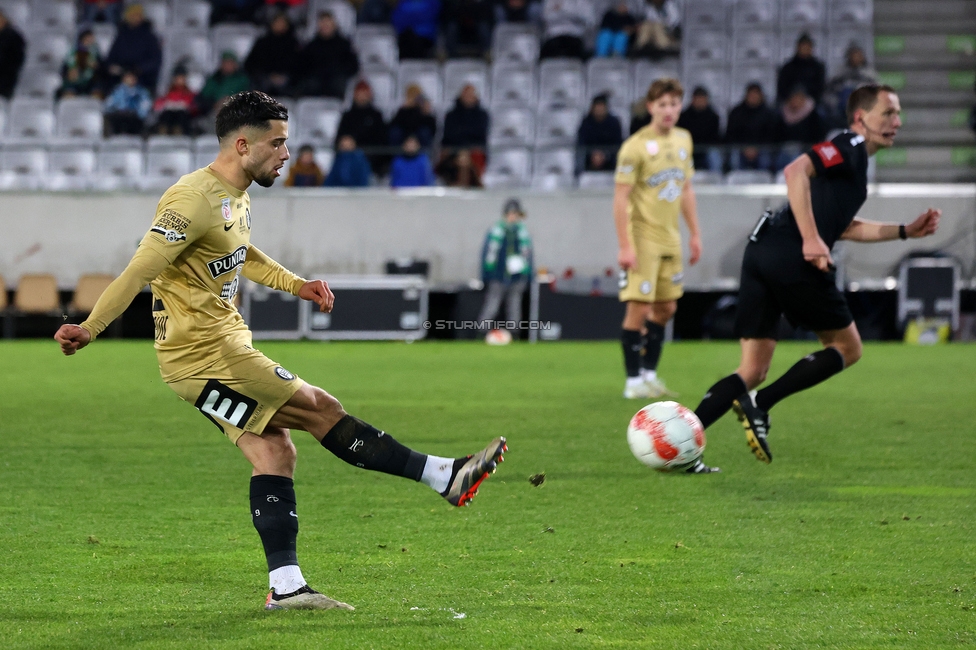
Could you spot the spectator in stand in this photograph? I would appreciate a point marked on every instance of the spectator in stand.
(467, 27)
(365, 124)
(350, 167)
(376, 12)
(660, 32)
(856, 73)
(175, 110)
(101, 11)
(80, 67)
(752, 125)
(11, 56)
(295, 10)
(566, 25)
(414, 118)
(458, 169)
(701, 120)
(128, 106)
(305, 172)
(466, 125)
(518, 11)
(412, 167)
(599, 137)
(136, 48)
(616, 30)
(272, 60)
(234, 11)
(228, 80)
(639, 117)
(415, 22)
(803, 69)
(327, 62)
(800, 126)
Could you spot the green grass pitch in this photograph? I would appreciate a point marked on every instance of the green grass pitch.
(124, 514)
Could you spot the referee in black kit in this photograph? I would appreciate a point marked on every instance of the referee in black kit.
(787, 268)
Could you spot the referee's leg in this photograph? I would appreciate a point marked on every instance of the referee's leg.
(753, 366)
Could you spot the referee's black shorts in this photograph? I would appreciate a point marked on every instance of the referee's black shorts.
(777, 280)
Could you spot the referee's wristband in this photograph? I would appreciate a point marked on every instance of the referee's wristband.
(902, 233)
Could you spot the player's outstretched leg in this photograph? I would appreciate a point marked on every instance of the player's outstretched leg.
(755, 421)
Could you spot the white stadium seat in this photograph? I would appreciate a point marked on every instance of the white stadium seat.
(236, 37)
(377, 46)
(427, 75)
(54, 14)
(30, 119)
(70, 167)
(512, 127)
(461, 72)
(22, 167)
(558, 127)
(515, 43)
(316, 121)
(508, 168)
(561, 83)
(80, 117)
(513, 85)
(47, 49)
(191, 14)
(38, 83)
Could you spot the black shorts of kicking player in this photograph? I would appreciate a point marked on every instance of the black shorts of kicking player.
(777, 280)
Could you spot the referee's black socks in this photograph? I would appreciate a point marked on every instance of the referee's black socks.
(808, 371)
(718, 399)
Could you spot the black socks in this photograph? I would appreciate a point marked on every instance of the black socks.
(362, 445)
(652, 347)
(632, 345)
(808, 371)
(274, 516)
(718, 399)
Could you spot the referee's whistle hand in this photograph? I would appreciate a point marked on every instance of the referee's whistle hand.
(72, 338)
(318, 292)
(926, 224)
(816, 252)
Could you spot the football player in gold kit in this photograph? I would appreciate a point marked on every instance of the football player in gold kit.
(193, 257)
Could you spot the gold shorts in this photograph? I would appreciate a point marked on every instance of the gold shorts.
(240, 392)
(658, 278)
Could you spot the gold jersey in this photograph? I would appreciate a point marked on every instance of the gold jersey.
(658, 167)
(198, 247)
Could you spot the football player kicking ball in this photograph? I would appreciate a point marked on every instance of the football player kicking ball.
(787, 268)
(193, 257)
(653, 186)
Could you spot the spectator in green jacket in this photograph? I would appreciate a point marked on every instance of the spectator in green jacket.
(228, 80)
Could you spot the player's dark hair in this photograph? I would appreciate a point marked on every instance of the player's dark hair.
(864, 98)
(251, 108)
(665, 86)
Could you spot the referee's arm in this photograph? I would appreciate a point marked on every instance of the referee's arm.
(798, 174)
(863, 230)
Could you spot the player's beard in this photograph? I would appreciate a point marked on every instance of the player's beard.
(264, 179)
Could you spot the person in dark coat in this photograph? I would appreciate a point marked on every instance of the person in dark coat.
(467, 27)
(702, 122)
(416, 23)
(803, 69)
(11, 56)
(327, 62)
(466, 125)
(599, 137)
(413, 118)
(753, 124)
(799, 126)
(350, 167)
(272, 60)
(136, 48)
(366, 125)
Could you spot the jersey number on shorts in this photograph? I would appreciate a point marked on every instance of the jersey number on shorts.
(223, 404)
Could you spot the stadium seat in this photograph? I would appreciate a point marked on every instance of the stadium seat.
(377, 46)
(237, 37)
(460, 72)
(513, 85)
(71, 166)
(38, 82)
(611, 76)
(755, 14)
(508, 168)
(596, 180)
(164, 167)
(157, 12)
(558, 127)
(189, 47)
(705, 14)
(37, 294)
(342, 11)
(561, 83)
(755, 47)
(427, 75)
(80, 117)
(383, 83)
(168, 143)
(104, 36)
(705, 47)
(553, 169)
(54, 14)
(834, 53)
(205, 150)
(191, 14)
(705, 177)
(3, 116)
(316, 121)
(119, 165)
(647, 72)
(17, 12)
(803, 13)
(88, 290)
(743, 75)
(843, 13)
(30, 119)
(515, 43)
(512, 127)
(748, 177)
(47, 49)
(22, 167)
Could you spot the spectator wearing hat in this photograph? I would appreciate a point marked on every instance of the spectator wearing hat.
(350, 167)
(701, 120)
(228, 80)
(80, 67)
(365, 123)
(599, 137)
(305, 172)
(416, 23)
(128, 106)
(327, 62)
(175, 110)
(414, 117)
(506, 264)
(412, 167)
(101, 11)
(804, 70)
(135, 48)
(273, 58)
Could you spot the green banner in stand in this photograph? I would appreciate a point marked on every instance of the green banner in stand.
(894, 157)
(963, 156)
(962, 79)
(889, 44)
(961, 43)
(896, 80)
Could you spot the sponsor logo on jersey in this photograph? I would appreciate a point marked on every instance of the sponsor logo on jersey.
(225, 211)
(171, 220)
(828, 153)
(645, 287)
(625, 169)
(227, 263)
(682, 154)
(284, 374)
(670, 192)
(652, 147)
(171, 236)
(669, 174)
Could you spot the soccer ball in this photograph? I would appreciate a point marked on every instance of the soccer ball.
(498, 337)
(666, 436)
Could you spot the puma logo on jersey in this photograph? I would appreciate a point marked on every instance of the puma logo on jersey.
(171, 236)
(227, 263)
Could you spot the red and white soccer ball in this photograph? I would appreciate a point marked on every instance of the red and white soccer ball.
(666, 436)
(498, 337)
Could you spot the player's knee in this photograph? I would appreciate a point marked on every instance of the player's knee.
(327, 406)
(852, 353)
(753, 376)
(280, 446)
(662, 312)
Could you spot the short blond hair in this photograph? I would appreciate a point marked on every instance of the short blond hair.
(665, 86)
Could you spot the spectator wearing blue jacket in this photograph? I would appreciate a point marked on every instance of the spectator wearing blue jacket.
(135, 48)
(416, 23)
(127, 108)
(411, 168)
(506, 263)
(350, 167)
